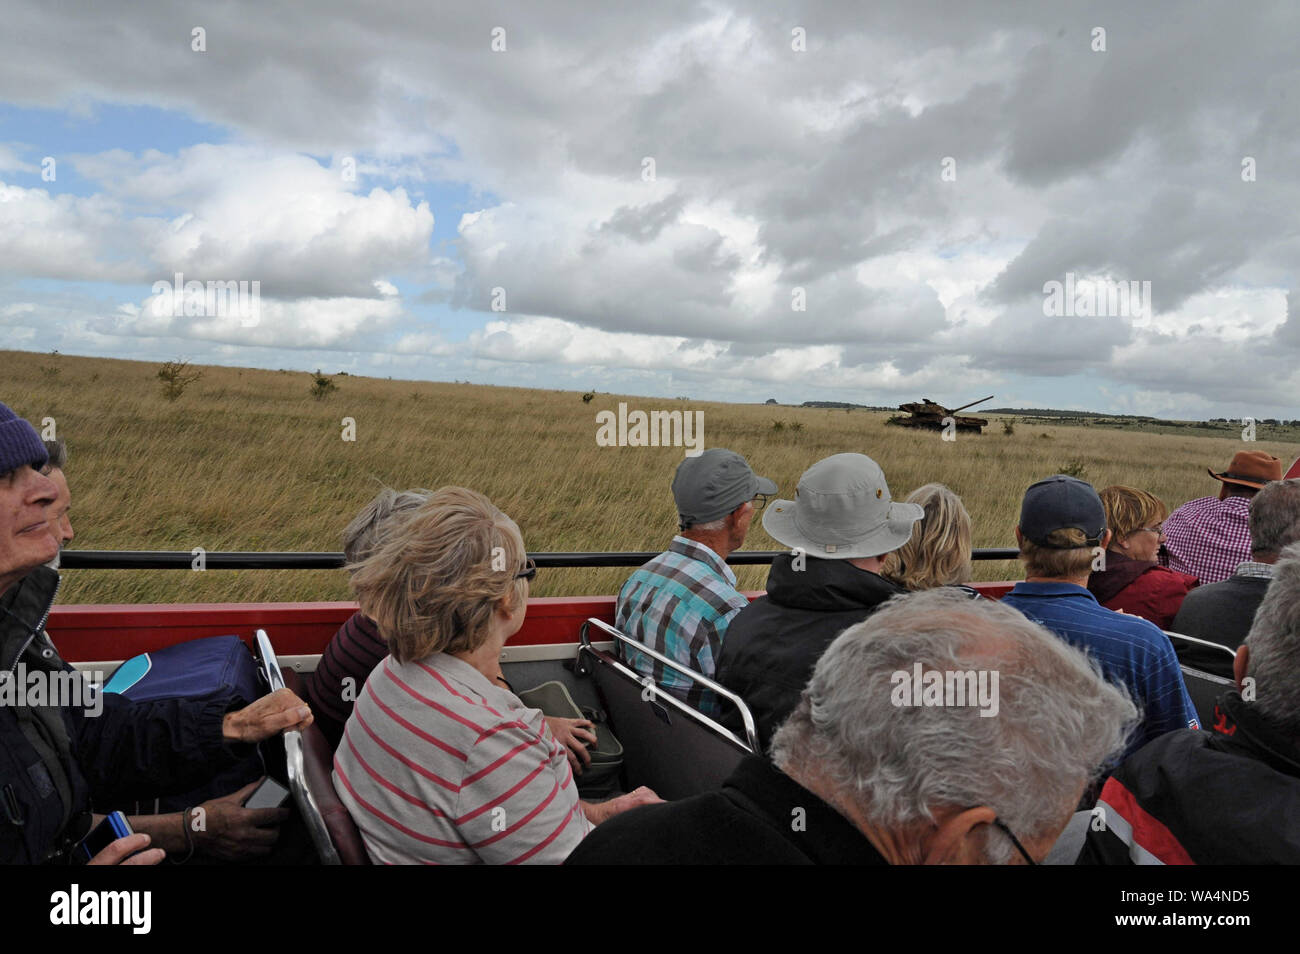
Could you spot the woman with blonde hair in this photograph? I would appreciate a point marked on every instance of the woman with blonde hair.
(439, 762)
(1130, 579)
(938, 553)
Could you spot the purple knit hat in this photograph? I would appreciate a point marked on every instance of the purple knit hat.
(19, 443)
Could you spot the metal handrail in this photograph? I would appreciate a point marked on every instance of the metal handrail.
(746, 717)
(295, 761)
(307, 560)
(1197, 641)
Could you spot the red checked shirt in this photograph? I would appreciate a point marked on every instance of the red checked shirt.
(1209, 537)
(439, 766)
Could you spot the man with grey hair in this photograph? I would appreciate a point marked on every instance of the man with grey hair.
(681, 602)
(60, 522)
(939, 730)
(1231, 795)
(1222, 612)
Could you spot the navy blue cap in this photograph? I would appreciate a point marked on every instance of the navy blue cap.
(19, 443)
(1060, 502)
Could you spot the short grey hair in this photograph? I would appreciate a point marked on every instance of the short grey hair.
(1058, 720)
(1274, 642)
(710, 526)
(58, 452)
(1275, 517)
(366, 531)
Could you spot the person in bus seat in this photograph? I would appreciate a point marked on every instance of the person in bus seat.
(839, 527)
(682, 602)
(873, 767)
(59, 755)
(1131, 580)
(1231, 795)
(1062, 532)
(355, 650)
(1223, 612)
(1210, 537)
(938, 553)
(439, 762)
(230, 832)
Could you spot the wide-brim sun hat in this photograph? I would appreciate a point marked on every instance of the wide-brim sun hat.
(842, 511)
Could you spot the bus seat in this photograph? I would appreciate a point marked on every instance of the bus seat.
(667, 745)
(1205, 688)
(308, 761)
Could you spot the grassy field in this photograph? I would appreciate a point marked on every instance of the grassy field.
(250, 460)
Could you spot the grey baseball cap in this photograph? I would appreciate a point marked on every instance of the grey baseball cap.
(710, 486)
(842, 511)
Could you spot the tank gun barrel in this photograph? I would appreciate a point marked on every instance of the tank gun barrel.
(972, 404)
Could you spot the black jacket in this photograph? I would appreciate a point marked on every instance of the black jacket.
(1221, 613)
(1230, 795)
(770, 648)
(760, 817)
(56, 762)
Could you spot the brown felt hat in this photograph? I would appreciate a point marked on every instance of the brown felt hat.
(1250, 469)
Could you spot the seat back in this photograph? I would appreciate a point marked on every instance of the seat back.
(1205, 689)
(667, 745)
(304, 795)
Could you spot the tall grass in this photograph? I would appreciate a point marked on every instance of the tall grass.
(251, 460)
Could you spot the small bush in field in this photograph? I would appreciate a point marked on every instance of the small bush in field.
(1008, 427)
(1073, 468)
(586, 398)
(322, 386)
(175, 377)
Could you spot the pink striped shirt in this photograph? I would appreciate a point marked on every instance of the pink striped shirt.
(439, 766)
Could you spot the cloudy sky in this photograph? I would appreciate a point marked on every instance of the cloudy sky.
(806, 201)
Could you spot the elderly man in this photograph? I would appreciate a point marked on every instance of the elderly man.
(1232, 795)
(1222, 612)
(681, 602)
(1209, 537)
(1062, 532)
(230, 832)
(984, 762)
(840, 525)
(60, 522)
(55, 758)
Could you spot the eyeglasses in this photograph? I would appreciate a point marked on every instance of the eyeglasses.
(528, 572)
(1001, 825)
(1159, 531)
(759, 501)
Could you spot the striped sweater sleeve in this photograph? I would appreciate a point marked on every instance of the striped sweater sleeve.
(518, 802)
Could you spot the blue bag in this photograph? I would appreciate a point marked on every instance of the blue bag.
(210, 667)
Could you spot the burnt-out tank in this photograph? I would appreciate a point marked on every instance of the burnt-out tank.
(931, 416)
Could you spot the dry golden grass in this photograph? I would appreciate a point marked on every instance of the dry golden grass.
(249, 460)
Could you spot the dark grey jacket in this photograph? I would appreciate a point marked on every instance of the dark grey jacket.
(56, 761)
(771, 647)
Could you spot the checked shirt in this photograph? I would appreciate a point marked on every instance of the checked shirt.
(680, 604)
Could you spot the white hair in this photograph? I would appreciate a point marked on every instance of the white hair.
(1057, 723)
(1275, 517)
(1274, 642)
(366, 532)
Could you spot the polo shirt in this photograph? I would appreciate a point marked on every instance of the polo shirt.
(1208, 537)
(680, 604)
(439, 766)
(760, 816)
(1131, 651)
